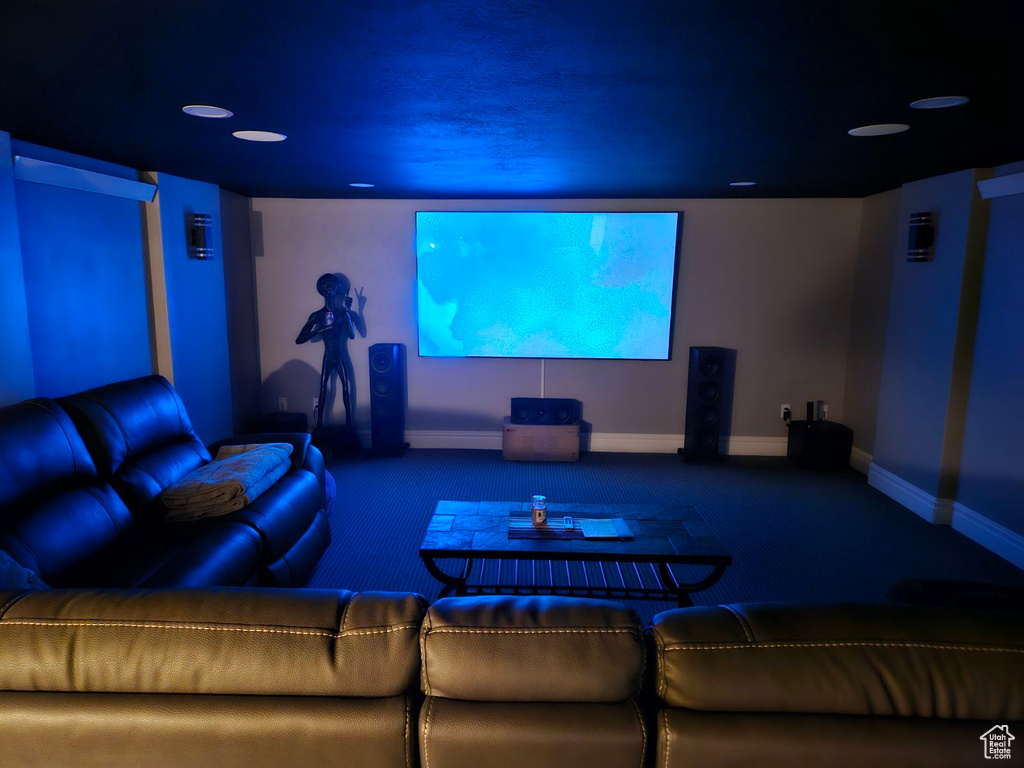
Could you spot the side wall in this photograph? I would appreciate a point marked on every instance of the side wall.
(877, 246)
(85, 282)
(196, 311)
(992, 461)
(921, 370)
(240, 297)
(80, 308)
(770, 278)
(18, 380)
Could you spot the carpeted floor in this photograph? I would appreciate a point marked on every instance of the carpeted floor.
(795, 535)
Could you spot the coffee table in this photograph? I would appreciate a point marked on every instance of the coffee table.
(637, 568)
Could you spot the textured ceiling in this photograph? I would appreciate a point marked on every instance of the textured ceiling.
(567, 98)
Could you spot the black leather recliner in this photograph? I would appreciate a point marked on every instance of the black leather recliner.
(80, 480)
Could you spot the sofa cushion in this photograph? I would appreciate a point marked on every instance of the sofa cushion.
(56, 516)
(467, 734)
(690, 739)
(66, 536)
(203, 641)
(211, 554)
(15, 576)
(858, 659)
(40, 453)
(139, 435)
(294, 567)
(98, 730)
(284, 512)
(540, 648)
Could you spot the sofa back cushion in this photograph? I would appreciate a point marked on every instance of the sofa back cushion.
(139, 435)
(855, 659)
(40, 452)
(531, 649)
(56, 515)
(232, 641)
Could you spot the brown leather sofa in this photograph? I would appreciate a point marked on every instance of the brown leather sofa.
(836, 685)
(531, 681)
(225, 678)
(243, 677)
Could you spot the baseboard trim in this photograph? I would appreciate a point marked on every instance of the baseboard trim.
(598, 442)
(860, 460)
(994, 537)
(921, 503)
(622, 442)
(445, 438)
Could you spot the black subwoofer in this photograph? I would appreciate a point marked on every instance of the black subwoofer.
(708, 403)
(544, 410)
(387, 398)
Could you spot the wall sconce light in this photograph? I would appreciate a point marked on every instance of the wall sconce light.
(200, 239)
(922, 237)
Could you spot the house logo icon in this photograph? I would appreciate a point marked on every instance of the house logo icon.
(997, 742)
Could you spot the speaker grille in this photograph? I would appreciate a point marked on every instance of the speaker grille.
(387, 398)
(381, 361)
(707, 439)
(709, 390)
(708, 402)
(706, 415)
(710, 365)
(543, 410)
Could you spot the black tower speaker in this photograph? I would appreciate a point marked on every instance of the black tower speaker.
(387, 398)
(708, 403)
(544, 410)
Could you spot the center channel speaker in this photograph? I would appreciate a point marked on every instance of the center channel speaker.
(708, 403)
(544, 410)
(387, 398)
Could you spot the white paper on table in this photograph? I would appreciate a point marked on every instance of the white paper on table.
(599, 529)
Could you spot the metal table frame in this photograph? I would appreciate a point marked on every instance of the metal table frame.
(654, 577)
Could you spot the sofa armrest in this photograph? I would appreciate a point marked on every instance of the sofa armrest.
(300, 442)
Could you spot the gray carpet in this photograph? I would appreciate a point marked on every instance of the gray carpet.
(795, 535)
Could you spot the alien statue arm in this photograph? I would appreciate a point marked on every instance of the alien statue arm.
(315, 325)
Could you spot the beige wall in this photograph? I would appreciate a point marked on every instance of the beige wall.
(771, 278)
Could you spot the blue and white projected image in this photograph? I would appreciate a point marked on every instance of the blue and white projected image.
(534, 284)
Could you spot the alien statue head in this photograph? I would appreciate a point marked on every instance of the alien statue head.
(328, 286)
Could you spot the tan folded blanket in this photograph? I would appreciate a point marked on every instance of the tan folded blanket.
(237, 476)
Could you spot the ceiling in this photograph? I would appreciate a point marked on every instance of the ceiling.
(507, 99)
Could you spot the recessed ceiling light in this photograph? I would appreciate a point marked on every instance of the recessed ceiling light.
(882, 129)
(361, 184)
(742, 183)
(205, 110)
(259, 136)
(939, 102)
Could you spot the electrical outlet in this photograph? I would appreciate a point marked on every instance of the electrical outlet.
(824, 412)
(782, 410)
(282, 403)
(316, 403)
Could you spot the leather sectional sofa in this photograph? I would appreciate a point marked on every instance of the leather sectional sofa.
(80, 484)
(242, 677)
